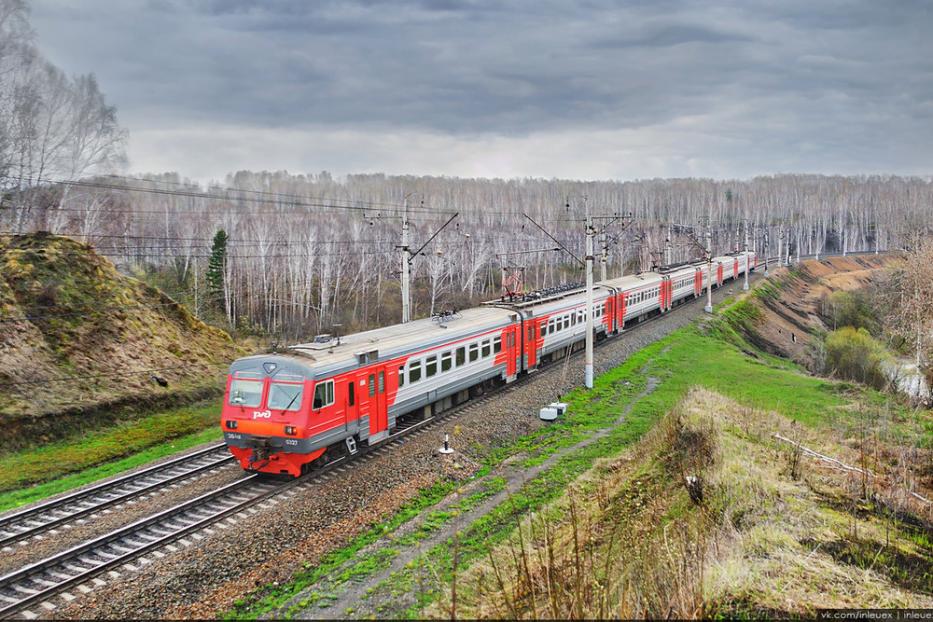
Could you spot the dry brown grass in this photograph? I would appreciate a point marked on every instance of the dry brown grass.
(629, 541)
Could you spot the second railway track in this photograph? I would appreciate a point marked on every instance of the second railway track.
(22, 525)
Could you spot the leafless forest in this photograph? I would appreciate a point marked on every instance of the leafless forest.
(308, 251)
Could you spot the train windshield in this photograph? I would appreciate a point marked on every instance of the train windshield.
(245, 392)
(284, 396)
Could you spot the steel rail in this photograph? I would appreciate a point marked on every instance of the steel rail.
(48, 515)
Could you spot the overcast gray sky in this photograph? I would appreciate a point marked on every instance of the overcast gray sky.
(590, 89)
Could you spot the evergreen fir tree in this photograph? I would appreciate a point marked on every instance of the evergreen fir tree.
(215, 269)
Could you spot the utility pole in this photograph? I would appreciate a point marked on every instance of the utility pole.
(709, 266)
(747, 260)
(407, 255)
(588, 369)
(406, 267)
(766, 250)
(668, 248)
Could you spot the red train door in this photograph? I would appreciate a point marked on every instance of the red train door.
(698, 282)
(376, 394)
(735, 269)
(351, 396)
(718, 274)
(622, 311)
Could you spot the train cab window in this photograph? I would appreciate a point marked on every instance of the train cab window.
(497, 345)
(430, 366)
(382, 381)
(474, 351)
(461, 356)
(401, 376)
(284, 396)
(414, 372)
(372, 385)
(245, 392)
(351, 392)
(323, 394)
(446, 361)
(487, 348)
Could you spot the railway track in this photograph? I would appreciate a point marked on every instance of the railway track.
(20, 527)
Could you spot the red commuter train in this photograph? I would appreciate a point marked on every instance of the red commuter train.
(283, 412)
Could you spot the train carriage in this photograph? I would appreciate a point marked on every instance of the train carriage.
(637, 295)
(555, 323)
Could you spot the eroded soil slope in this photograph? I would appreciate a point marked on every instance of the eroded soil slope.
(78, 341)
(791, 307)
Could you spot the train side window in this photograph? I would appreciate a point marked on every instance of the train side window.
(372, 385)
(474, 351)
(323, 394)
(487, 348)
(351, 393)
(401, 376)
(461, 356)
(497, 345)
(414, 372)
(446, 361)
(382, 381)
(430, 366)
(543, 330)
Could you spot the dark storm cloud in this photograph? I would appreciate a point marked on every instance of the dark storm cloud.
(846, 79)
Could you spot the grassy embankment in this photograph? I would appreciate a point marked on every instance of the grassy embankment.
(762, 534)
(33, 474)
(714, 356)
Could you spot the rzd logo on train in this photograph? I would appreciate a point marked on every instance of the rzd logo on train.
(262, 414)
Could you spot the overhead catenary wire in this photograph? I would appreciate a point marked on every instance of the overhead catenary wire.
(229, 196)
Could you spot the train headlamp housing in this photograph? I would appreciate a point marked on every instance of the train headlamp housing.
(231, 424)
(291, 430)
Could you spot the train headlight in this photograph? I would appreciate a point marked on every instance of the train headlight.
(231, 424)
(291, 430)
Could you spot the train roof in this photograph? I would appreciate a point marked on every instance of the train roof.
(632, 281)
(328, 355)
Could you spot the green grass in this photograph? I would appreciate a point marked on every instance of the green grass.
(34, 474)
(272, 596)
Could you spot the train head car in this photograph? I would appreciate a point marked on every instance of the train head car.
(267, 413)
